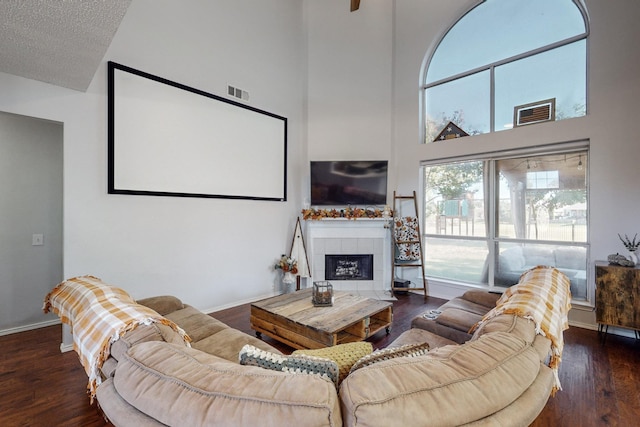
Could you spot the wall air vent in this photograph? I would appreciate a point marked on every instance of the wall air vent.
(237, 93)
(536, 112)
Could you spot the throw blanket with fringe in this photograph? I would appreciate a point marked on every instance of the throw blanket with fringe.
(99, 314)
(543, 295)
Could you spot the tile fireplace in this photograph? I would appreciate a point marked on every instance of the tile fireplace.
(359, 244)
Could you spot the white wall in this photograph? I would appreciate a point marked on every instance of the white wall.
(211, 253)
(349, 80)
(614, 90)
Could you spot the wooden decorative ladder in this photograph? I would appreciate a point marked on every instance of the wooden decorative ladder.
(406, 242)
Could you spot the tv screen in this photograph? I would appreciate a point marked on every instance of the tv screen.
(349, 182)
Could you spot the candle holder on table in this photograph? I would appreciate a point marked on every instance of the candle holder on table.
(322, 294)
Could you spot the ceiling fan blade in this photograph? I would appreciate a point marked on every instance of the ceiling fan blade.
(355, 5)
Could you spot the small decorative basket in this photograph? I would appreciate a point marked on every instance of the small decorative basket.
(322, 294)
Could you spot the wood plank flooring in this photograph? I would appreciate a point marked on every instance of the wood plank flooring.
(39, 386)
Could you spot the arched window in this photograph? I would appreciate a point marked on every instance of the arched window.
(503, 54)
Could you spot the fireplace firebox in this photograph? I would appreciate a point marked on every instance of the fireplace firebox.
(348, 267)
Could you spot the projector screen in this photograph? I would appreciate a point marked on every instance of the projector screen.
(168, 139)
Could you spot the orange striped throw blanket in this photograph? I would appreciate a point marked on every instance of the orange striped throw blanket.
(99, 314)
(543, 295)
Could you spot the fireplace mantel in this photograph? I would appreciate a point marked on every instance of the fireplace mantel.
(337, 236)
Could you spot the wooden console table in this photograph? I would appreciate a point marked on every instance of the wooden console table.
(293, 320)
(617, 296)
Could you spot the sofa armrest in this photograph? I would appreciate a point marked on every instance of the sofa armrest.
(119, 411)
(482, 297)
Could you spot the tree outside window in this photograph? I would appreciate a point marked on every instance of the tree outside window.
(539, 217)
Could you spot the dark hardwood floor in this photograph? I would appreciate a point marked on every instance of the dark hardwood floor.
(39, 386)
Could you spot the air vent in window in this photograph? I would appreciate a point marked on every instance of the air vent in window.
(536, 112)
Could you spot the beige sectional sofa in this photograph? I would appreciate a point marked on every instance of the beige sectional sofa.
(497, 377)
(152, 379)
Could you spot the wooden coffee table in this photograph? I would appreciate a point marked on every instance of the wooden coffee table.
(293, 320)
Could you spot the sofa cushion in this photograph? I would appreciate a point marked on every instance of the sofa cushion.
(163, 305)
(466, 305)
(450, 385)
(299, 364)
(461, 320)
(195, 323)
(228, 342)
(144, 333)
(525, 410)
(407, 350)
(184, 386)
(345, 355)
(521, 327)
(417, 335)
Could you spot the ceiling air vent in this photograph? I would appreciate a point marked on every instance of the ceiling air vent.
(536, 112)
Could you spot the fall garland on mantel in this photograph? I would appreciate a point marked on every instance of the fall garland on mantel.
(347, 213)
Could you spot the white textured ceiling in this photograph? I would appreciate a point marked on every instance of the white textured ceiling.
(61, 42)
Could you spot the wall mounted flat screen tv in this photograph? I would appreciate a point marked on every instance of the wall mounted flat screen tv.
(339, 183)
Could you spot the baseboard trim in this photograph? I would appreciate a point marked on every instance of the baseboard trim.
(237, 303)
(30, 327)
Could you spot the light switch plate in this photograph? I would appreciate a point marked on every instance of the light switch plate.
(37, 240)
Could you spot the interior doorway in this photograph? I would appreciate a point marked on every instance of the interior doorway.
(31, 220)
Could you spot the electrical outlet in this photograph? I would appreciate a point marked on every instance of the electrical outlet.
(37, 240)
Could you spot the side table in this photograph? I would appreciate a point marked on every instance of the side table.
(617, 297)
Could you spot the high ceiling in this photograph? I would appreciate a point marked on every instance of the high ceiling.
(55, 41)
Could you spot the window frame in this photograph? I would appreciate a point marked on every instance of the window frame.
(492, 238)
(492, 66)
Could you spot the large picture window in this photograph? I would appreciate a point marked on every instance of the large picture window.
(488, 220)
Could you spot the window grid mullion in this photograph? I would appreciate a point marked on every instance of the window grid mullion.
(506, 60)
(493, 218)
(492, 99)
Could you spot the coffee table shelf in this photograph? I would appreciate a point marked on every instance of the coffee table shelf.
(293, 320)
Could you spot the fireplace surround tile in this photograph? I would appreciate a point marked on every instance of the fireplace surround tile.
(365, 236)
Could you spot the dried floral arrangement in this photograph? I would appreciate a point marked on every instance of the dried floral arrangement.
(348, 213)
(287, 264)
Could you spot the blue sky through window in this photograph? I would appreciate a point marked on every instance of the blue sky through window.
(491, 33)
(499, 29)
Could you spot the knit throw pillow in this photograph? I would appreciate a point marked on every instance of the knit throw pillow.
(407, 350)
(300, 364)
(345, 355)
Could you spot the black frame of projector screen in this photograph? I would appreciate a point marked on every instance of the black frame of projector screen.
(242, 115)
